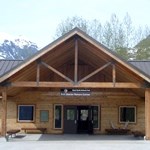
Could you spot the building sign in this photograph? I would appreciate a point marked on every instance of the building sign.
(75, 92)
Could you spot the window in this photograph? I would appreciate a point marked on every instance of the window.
(127, 113)
(44, 115)
(26, 113)
(58, 116)
(95, 116)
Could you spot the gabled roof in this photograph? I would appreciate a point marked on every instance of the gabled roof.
(62, 39)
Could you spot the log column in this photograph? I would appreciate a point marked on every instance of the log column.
(4, 113)
(147, 114)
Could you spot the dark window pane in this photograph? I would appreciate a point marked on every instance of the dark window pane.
(26, 113)
(127, 114)
(95, 116)
(58, 111)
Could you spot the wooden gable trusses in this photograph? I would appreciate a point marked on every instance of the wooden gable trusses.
(89, 47)
(75, 82)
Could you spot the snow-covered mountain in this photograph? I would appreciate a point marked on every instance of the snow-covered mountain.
(12, 47)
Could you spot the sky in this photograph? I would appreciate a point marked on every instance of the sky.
(38, 19)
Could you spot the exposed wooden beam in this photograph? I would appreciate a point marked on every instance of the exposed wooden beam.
(81, 85)
(114, 74)
(4, 113)
(108, 53)
(76, 62)
(57, 72)
(94, 72)
(38, 74)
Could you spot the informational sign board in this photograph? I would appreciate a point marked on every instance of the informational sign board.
(75, 92)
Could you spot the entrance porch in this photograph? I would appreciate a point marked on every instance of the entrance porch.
(31, 92)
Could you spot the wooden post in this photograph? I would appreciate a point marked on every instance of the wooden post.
(114, 74)
(4, 113)
(38, 74)
(147, 114)
(76, 62)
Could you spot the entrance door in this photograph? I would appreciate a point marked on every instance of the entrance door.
(80, 119)
(83, 119)
(70, 119)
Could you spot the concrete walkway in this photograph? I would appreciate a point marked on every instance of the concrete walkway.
(73, 137)
(74, 142)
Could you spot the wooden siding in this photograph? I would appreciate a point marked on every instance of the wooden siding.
(109, 102)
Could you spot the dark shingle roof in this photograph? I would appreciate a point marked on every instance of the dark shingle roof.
(7, 65)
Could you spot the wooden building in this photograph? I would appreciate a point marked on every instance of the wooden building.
(74, 85)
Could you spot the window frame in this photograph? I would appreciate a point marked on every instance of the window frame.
(61, 117)
(135, 114)
(26, 121)
(99, 115)
(47, 113)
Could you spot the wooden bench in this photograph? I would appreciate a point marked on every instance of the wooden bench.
(13, 132)
(43, 130)
(117, 131)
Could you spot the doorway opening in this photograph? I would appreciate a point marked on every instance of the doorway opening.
(83, 119)
(80, 119)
